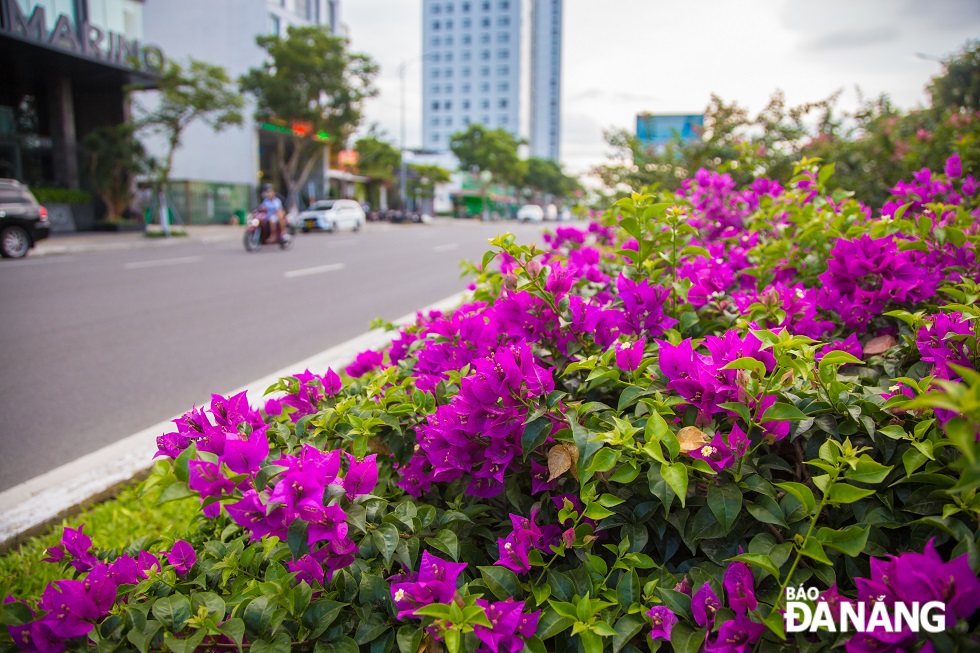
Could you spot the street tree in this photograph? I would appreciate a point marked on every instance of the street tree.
(958, 87)
(546, 177)
(199, 91)
(378, 159)
(491, 150)
(423, 179)
(114, 157)
(311, 82)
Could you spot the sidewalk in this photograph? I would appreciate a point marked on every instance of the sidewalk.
(95, 241)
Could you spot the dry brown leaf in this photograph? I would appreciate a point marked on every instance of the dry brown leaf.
(691, 438)
(879, 345)
(561, 458)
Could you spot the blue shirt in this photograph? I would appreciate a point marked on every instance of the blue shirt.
(272, 206)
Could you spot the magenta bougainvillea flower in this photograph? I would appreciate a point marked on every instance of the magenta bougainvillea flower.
(365, 362)
(738, 635)
(509, 626)
(182, 556)
(740, 588)
(663, 620)
(630, 354)
(435, 582)
(704, 605)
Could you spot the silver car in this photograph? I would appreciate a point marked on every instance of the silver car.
(332, 215)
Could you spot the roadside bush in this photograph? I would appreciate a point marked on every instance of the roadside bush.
(646, 434)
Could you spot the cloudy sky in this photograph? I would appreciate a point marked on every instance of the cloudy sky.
(623, 57)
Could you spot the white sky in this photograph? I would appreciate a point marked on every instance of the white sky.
(623, 57)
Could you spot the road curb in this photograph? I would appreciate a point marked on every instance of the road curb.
(29, 508)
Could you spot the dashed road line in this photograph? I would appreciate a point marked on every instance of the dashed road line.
(161, 262)
(305, 272)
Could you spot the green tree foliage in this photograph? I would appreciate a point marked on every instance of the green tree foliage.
(422, 179)
(199, 91)
(491, 150)
(546, 177)
(959, 85)
(378, 158)
(114, 157)
(309, 77)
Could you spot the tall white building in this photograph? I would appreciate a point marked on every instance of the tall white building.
(215, 173)
(546, 44)
(471, 67)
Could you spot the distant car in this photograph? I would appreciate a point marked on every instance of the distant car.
(23, 221)
(530, 213)
(332, 215)
(564, 215)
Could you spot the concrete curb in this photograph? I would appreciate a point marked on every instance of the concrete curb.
(27, 509)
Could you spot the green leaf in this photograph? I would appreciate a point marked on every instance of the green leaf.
(812, 548)
(802, 493)
(551, 623)
(278, 644)
(258, 614)
(775, 622)
(297, 538)
(409, 639)
(214, 603)
(725, 503)
(838, 357)
(447, 542)
(595, 511)
(501, 581)
(320, 615)
(385, 537)
(172, 611)
(626, 628)
(626, 473)
(591, 642)
(761, 561)
(233, 629)
(604, 460)
(675, 474)
(185, 645)
(844, 493)
(781, 412)
(748, 363)
(867, 470)
(535, 434)
(628, 589)
(850, 540)
(685, 640)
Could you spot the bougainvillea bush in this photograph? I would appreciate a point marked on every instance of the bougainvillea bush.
(645, 434)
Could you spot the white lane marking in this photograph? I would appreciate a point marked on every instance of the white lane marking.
(137, 265)
(446, 248)
(292, 274)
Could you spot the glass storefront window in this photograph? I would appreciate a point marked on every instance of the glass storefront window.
(52, 8)
(119, 16)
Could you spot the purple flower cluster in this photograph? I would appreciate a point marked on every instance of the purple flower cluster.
(718, 208)
(435, 582)
(230, 415)
(939, 345)
(525, 536)
(477, 434)
(69, 609)
(911, 577)
(866, 275)
(738, 635)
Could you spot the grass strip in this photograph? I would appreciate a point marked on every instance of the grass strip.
(113, 524)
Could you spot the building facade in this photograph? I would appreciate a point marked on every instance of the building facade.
(66, 64)
(471, 67)
(546, 45)
(215, 174)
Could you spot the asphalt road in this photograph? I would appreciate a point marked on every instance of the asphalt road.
(99, 345)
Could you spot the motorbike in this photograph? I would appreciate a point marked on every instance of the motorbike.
(258, 230)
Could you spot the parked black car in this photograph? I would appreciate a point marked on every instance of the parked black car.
(23, 221)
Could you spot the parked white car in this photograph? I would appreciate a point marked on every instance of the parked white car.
(530, 213)
(332, 215)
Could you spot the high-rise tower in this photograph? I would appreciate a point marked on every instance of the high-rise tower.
(546, 17)
(471, 70)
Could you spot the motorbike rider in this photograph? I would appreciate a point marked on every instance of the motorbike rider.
(274, 211)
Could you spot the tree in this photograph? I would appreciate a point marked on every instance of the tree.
(379, 159)
(491, 150)
(310, 81)
(115, 157)
(959, 85)
(201, 91)
(422, 179)
(546, 177)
